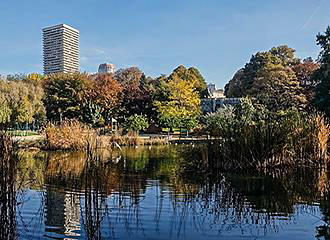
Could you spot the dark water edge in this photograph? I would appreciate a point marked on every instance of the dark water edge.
(146, 193)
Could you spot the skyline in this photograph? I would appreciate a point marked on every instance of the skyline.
(218, 37)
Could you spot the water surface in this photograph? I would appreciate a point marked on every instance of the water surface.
(142, 194)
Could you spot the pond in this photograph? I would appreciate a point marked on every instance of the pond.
(141, 193)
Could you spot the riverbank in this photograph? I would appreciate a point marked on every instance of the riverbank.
(33, 141)
(39, 141)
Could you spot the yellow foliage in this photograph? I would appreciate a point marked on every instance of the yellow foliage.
(183, 102)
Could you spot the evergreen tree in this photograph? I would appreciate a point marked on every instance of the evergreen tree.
(322, 97)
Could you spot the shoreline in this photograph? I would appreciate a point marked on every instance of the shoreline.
(36, 141)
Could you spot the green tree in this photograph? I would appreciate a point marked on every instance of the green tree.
(182, 108)
(65, 95)
(278, 88)
(322, 75)
(5, 112)
(137, 123)
(92, 114)
(23, 95)
(286, 55)
(270, 79)
(233, 87)
(137, 94)
(193, 75)
(24, 111)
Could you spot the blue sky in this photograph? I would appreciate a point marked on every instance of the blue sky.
(216, 36)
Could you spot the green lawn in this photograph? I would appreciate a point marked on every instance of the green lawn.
(22, 133)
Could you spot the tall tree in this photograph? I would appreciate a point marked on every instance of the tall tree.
(137, 94)
(103, 98)
(182, 108)
(193, 75)
(286, 55)
(127, 76)
(278, 87)
(269, 77)
(105, 91)
(65, 95)
(24, 99)
(5, 112)
(304, 72)
(322, 75)
(24, 111)
(233, 87)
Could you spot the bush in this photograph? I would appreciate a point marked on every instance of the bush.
(131, 139)
(137, 123)
(69, 135)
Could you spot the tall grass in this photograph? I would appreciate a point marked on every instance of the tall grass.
(8, 168)
(249, 136)
(69, 135)
(74, 135)
(133, 139)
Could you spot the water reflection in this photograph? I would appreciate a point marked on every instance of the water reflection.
(150, 193)
(323, 231)
(8, 188)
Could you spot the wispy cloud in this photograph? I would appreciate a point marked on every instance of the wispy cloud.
(92, 51)
(312, 15)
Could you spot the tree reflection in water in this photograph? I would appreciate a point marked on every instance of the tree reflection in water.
(324, 230)
(94, 201)
(115, 193)
(8, 173)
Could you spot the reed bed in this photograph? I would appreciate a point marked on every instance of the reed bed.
(74, 135)
(8, 169)
(249, 136)
(69, 135)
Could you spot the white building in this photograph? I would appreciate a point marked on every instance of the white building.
(3, 77)
(60, 49)
(214, 92)
(106, 68)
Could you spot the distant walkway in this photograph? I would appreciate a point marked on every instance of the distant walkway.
(175, 137)
(28, 138)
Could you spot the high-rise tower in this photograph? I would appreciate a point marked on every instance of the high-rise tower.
(61, 49)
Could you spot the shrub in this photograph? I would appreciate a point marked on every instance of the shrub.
(137, 123)
(69, 135)
(250, 136)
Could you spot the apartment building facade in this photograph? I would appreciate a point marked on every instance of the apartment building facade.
(60, 49)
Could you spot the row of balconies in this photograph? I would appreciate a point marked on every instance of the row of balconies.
(61, 49)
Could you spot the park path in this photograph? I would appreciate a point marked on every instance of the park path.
(28, 138)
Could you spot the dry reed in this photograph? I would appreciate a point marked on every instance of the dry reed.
(69, 135)
(270, 140)
(8, 169)
(133, 139)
